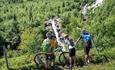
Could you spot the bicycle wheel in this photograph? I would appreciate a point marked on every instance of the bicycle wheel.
(38, 58)
(64, 58)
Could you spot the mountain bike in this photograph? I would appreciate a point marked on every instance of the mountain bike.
(63, 57)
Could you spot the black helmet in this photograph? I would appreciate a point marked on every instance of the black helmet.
(53, 37)
(48, 34)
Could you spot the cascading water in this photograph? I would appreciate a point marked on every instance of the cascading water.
(55, 30)
(96, 4)
(85, 8)
(55, 26)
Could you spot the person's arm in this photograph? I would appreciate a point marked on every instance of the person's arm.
(78, 40)
(43, 44)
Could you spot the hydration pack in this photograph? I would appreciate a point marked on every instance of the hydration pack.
(71, 42)
(86, 37)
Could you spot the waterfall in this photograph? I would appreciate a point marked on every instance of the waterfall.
(93, 6)
(55, 25)
(55, 30)
(96, 4)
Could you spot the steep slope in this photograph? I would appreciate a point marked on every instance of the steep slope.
(25, 19)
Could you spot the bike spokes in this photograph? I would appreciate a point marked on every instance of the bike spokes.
(64, 58)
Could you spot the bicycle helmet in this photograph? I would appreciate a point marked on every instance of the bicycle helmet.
(48, 34)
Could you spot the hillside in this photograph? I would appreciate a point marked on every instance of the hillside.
(22, 29)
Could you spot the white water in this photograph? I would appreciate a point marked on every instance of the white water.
(55, 30)
(85, 8)
(55, 25)
(96, 4)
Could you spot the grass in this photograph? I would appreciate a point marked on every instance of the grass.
(22, 62)
(105, 66)
(26, 61)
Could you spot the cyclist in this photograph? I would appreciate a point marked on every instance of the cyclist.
(87, 44)
(46, 48)
(61, 44)
(71, 48)
(52, 42)
(53, 45)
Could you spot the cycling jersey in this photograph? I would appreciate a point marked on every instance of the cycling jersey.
(62, 45)
(70, 43)
(46, 45)
(53, 43)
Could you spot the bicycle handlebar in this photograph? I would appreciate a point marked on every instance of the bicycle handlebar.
(57, 49)
(47, 53)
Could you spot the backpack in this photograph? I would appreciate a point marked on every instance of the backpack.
(71, 42)
(86, 37)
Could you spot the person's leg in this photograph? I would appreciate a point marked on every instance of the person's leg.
(87, 49)
(46, 65)
(45, 62)
(70, 57)
(89, 44)
(85, 54)
(74, 58)
(86, 59)
(53, 59)
(70, 61)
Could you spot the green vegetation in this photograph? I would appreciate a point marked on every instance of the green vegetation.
(22, 29)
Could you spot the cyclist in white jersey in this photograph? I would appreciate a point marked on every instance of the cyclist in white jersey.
(71, 48)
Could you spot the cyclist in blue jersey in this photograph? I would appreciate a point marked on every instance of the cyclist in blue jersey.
(87, 44)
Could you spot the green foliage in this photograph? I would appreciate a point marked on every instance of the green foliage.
(22, 22)
(31, 40)
(21, 62)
